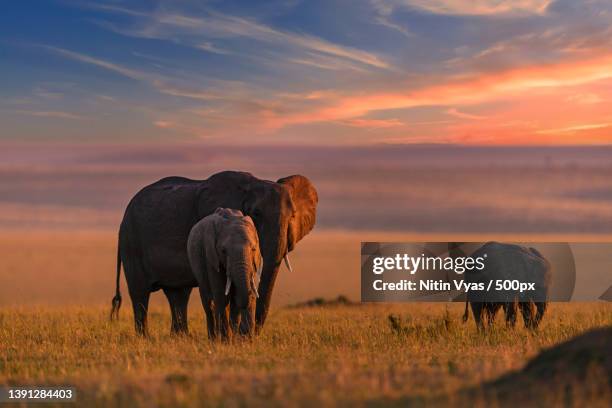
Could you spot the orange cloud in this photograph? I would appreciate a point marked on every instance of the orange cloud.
(586, 99)
(463, 91)
(463, 115)
(576, 128)
(559, 103)
(545, 117)
(373, 123)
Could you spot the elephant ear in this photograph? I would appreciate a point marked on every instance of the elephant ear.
(201, 250)
(211, 255)
(305, 199)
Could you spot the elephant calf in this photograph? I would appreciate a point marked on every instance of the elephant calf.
(223, 251)
(507, 262)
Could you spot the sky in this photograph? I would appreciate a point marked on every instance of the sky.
(517, 72)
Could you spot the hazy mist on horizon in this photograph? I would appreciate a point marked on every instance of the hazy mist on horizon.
(420, 188)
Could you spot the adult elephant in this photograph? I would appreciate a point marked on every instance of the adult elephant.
(153, 234)
(509, 263)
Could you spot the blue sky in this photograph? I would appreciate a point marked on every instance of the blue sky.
(307, 72)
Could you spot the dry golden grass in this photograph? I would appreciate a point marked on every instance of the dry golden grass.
(328, 355)
(53, 330)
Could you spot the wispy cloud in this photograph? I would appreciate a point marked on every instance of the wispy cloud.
(191, 94)
(585, 99)
(50, 114)
(476, 89)
(565, 40)
(386, 22)
(48, 94)
(477, 7)
(196, 31)
(326, 62)
(127, 72)
(105, 98)
(463, 115)
(384, 10)
(233, 107)
(575, 128)
(385, 72)
(153, 80)
(237, 101)
(373, 123)
(210, 47)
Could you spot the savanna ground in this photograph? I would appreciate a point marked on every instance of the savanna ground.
(55, 291)
(340, 355)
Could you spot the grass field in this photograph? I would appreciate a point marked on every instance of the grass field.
(55, 291)
(339, 355)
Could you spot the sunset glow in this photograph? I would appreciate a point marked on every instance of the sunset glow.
(389, 71)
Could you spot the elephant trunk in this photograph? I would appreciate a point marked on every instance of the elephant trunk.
(247, 321)
(241, 272)
(238, 277)
(273, 250)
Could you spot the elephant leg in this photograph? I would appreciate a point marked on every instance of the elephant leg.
(178, 299)
(136, 276)
(541, 308)
(210, 320)
(223, 321)
(222, 316)
(226, 328)
(244, 326)
(510, 312)
(477, 311)
(492, 309)
(527, 312)
(235, 317)
(266, 287)
(239, 325)
(140, 304)
(209, 310)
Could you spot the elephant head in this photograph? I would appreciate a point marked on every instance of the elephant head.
(283, 213)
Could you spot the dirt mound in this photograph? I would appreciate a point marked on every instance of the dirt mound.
(607, 295)
(576, 356)
(572, 373)
(322, 302)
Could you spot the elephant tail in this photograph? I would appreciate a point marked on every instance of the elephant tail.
(466, 314)
(116, 302)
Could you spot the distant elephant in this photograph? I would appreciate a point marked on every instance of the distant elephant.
(224, 255)
(509, 262)
(153, 235)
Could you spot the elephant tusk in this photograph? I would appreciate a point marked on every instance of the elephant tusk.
(227, 286)
(254, 286)
(259, 271)
(286, 258)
